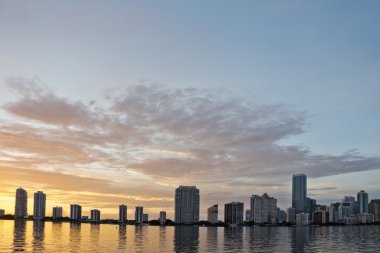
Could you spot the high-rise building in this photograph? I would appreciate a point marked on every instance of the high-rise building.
(162, 217)
(374, 208)
(299, 193)
(212, 214)
(291, 215)
(39, 205)
(75, 212)
(21, 207)
(263, 209)
(186, 204)
(362, 202)
(234, 213)
(145, 217)
(57, 212)
(302, 219)
(139, 214)
(248, 215)
(95, 215)
(281, 216)
(2, 212)
(123, 213)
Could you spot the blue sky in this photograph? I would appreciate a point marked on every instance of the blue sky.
(316, 63)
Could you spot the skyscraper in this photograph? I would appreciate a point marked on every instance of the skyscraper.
(122, 213)
(21, 207)
(234, 213)
(263, 209)
(95, 215)
(212, 214)
(39, 205)
(162, 217)
(186, 204)
(139, 214)
(57, 212)
(75, 212)
(362, 201)
(299, 193)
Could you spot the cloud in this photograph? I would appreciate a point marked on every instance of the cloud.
(161, 137)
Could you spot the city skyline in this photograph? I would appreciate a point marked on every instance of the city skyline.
(115, 103)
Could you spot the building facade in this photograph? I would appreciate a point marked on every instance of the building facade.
(374, 208)
(234, 213)
(299, 193)
(212, 214)
(162, 218)
(123, 213)
(57, 212)
(75, 212)
(302, 219)
(186, 204)
(21, 206)
(39, 205)
(139, 214)
(291, 215)
(263, 209)
(95, 215)
(362, 202)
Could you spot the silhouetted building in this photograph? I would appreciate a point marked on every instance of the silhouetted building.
(162, 217)
(234, 213)
(123, 213)
(139, 214)
(299, 193)
(212, 214)
(21, 207)
(263, 209)
(187, 204)
(374, 208)
(95, 215)
(2, 212)
(362, 202)
(311, 205)
(248, 215)
(39, 205)
(145, 217)
(75, 212)
(57, 212)
(320, 217)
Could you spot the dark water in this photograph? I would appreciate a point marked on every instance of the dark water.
(31, 236)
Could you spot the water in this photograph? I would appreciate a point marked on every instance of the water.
(49, 237)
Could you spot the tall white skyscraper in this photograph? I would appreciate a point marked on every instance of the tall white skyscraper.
(186, 204)
(39, 205)
(139, 214)
(123, 213)
(362, 201)
(21, 206)
(299, 193)
(75, 212)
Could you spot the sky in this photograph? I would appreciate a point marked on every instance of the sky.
(111, 102)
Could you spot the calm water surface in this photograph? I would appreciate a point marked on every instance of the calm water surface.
(31, 236)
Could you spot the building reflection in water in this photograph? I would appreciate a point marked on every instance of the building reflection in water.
(300, 235)
(122, 236)
(94, 235)
(233, 238)
(186, 238)
(212, 239)
(75, 237)
(19, 234)
(38, 236)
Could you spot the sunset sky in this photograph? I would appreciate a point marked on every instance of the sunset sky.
(111, 102)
